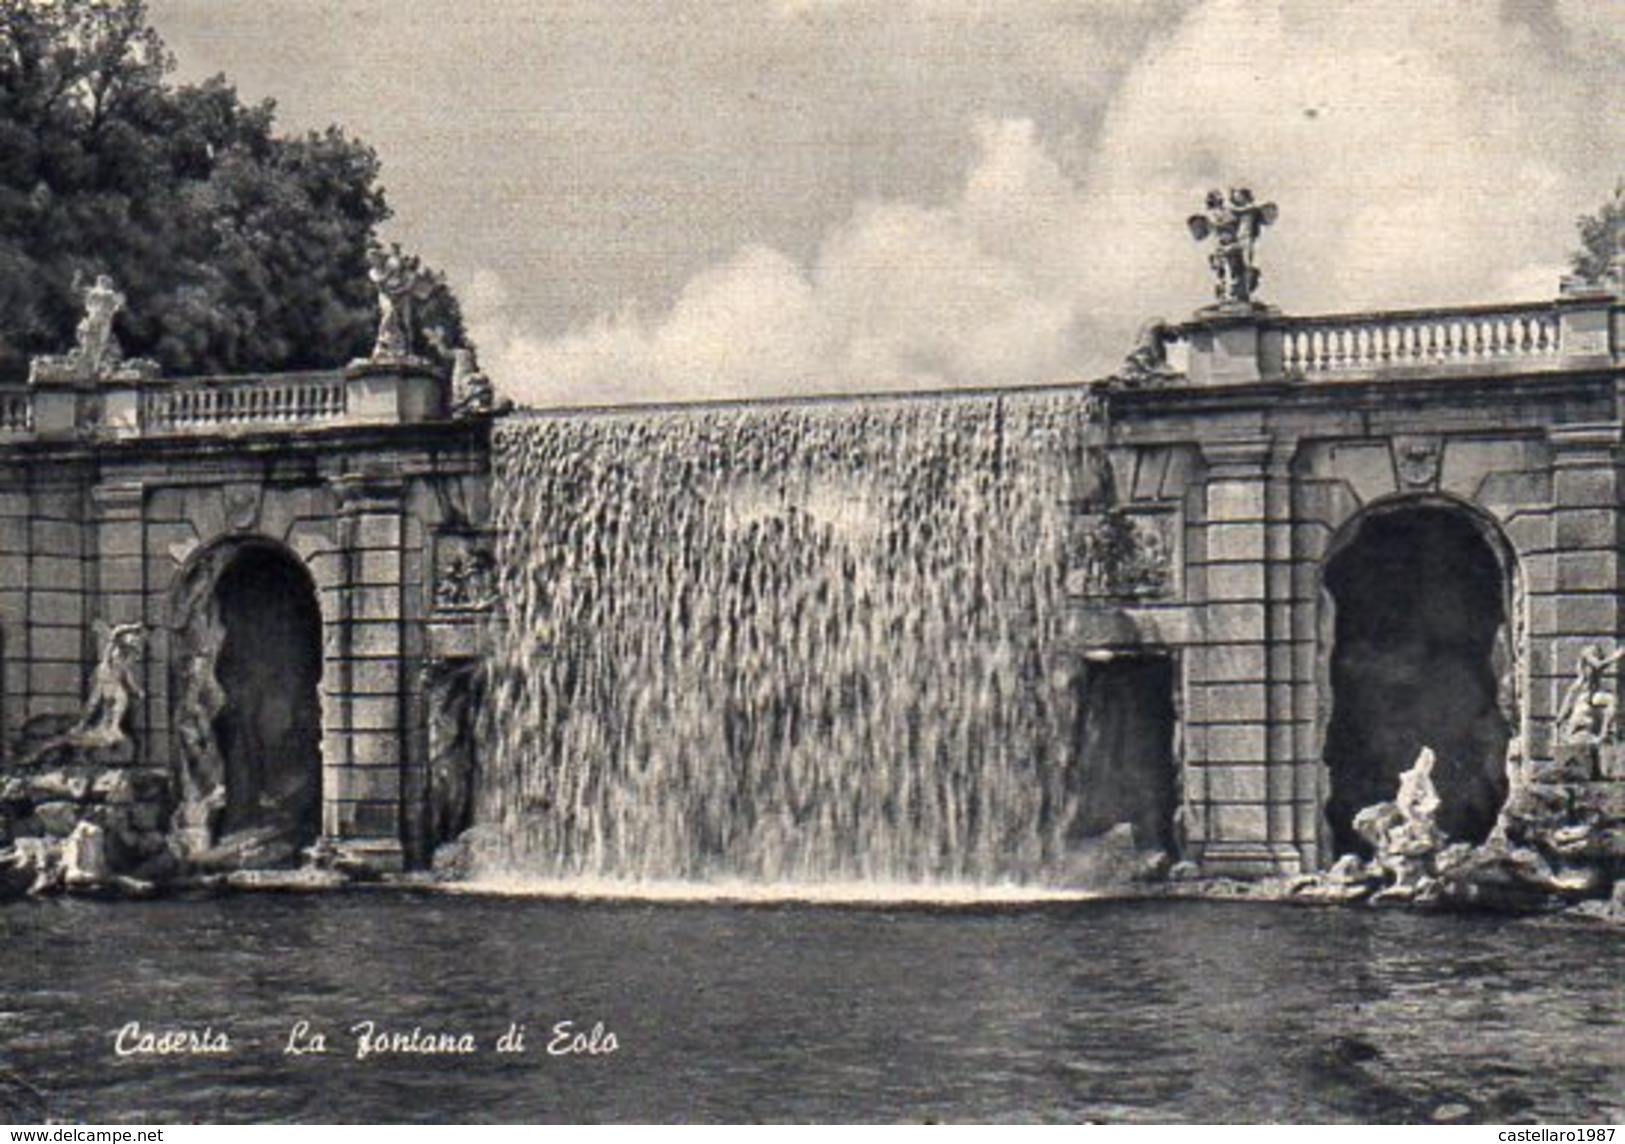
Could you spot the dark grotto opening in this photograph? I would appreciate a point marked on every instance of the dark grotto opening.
(1125, 769)
(1420, 644)
(270, 666)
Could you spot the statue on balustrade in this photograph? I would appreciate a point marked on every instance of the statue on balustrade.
(96, 354)
(472, 394)
(97, 343)
(1234, 225)
(1147, 363)
(402, 283)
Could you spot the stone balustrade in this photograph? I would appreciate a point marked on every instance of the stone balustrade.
(285, 401)
(367, 393)
(16, 414)
(1365, 343)
(1246, 343)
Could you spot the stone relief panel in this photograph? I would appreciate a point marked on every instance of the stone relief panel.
(1416, 460)
(465, 578)
(1127, 554)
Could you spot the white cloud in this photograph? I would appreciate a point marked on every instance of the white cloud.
(975, 291)
(1421, 154)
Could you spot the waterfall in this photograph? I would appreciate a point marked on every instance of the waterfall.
(787, 643)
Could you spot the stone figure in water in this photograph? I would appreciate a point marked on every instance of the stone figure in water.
(1234, 225)
(114, 687)
(402, 282)
(1587, 713)
(202, 699)
(1403, 834)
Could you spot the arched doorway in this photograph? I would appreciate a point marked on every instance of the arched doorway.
(248, 662)
(1421, 656)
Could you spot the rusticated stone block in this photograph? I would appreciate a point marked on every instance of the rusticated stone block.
(375, 677)
(57, 644)
(1583, 487)
(378, 566)
(1226, 783)
(54, 607)
(1593, 613)
(378, 532)
(1237, 822)
(1235, 500)
(1228, 663)
(369, 819)
(375, 639)
(1235, 542)
(1232, 703)
(374, 713)
(1234, 623)
(1588, 571)
(369, 784)
(375, 749)
(1585, 528)
(1237, 743)
(56, 538)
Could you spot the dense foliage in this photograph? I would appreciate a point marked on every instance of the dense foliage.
(238, 249)
(1602, 238)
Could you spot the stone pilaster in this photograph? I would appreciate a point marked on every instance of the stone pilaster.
(1238, 710)
(14, 623)
(58, 604)
(119, 583)
(364, 683)
(1578, 604)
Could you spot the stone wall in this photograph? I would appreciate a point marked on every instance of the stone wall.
(1269, 473)
(106, 531)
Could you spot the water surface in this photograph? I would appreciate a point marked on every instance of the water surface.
(1106, 1011)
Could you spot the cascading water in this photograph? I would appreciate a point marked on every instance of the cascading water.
(799, 643)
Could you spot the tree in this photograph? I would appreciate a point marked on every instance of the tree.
(1602, 239)
(239, 249)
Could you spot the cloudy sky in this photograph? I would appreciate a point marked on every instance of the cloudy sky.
(643, 200)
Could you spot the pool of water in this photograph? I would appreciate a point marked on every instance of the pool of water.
(1101, 1011)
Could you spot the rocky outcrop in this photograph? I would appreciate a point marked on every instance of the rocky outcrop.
(1560, 839)
(82, 825)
